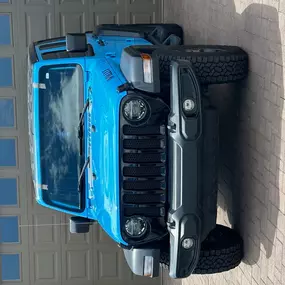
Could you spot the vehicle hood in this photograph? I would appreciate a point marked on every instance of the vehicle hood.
(103, 147)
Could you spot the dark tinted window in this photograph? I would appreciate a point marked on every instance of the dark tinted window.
(60, 105)
(66, 54)
(52, 45)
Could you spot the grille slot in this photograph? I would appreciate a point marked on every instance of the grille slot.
(149, 130)
(143, 143)
(143, 157)
(144, 198)
(144, 185)
(143, 171)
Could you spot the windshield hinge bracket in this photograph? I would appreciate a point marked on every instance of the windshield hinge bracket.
(39, 85)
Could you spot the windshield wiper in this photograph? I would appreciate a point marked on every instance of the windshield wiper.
(82, 174)
(80, 125)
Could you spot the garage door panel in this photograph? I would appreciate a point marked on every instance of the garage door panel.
(108, 264)
(72, 22)
(46, 267)
(142, 18)
(72, 239)
(77, 267)
(39, 25)
(46, 230)
(106, 18)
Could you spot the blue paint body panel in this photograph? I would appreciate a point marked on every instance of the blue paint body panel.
(102, 76)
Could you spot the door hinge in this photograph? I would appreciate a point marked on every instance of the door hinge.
(39, 85)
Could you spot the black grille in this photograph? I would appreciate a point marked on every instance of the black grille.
(143, 170)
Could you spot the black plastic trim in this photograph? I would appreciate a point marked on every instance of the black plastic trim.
(185, 156)
(52, 45)
(50, 40)
(33, 54)
(119, 31)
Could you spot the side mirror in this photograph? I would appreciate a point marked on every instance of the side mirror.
(76, 43)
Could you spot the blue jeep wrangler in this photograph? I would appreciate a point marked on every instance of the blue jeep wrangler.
(122, 132)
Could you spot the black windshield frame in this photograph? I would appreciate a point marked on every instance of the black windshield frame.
(78, 203)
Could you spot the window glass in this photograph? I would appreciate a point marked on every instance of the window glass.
(8, 192)
(6, 113)
(60, 105)
(8, 152)
(9, 229)
(6, 78)
(5, 31)
(10, 267)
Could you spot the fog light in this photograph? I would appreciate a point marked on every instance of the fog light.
(188, 105)
(187, 243)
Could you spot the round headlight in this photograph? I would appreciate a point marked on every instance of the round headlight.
(135, 110)
(136, 227)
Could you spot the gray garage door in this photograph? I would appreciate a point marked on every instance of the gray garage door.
(35, 245)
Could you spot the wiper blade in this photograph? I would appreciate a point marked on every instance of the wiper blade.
(83, 113)
(82, 173)
(80, 125)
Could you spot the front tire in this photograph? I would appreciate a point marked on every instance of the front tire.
(221, 251)
(212, 64)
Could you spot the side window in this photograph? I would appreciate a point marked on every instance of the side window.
(64, 54)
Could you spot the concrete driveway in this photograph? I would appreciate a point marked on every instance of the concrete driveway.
(252, 131)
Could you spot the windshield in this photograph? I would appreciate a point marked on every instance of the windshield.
(60, 103)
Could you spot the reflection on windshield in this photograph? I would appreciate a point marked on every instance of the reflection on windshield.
(59, 110)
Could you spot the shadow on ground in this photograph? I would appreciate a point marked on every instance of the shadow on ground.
(250, 115)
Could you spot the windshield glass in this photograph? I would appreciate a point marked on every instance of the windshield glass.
(60, 103)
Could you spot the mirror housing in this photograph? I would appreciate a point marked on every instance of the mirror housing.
(76, 43)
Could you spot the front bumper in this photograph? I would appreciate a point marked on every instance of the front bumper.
(185, 151)
(190, 152)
